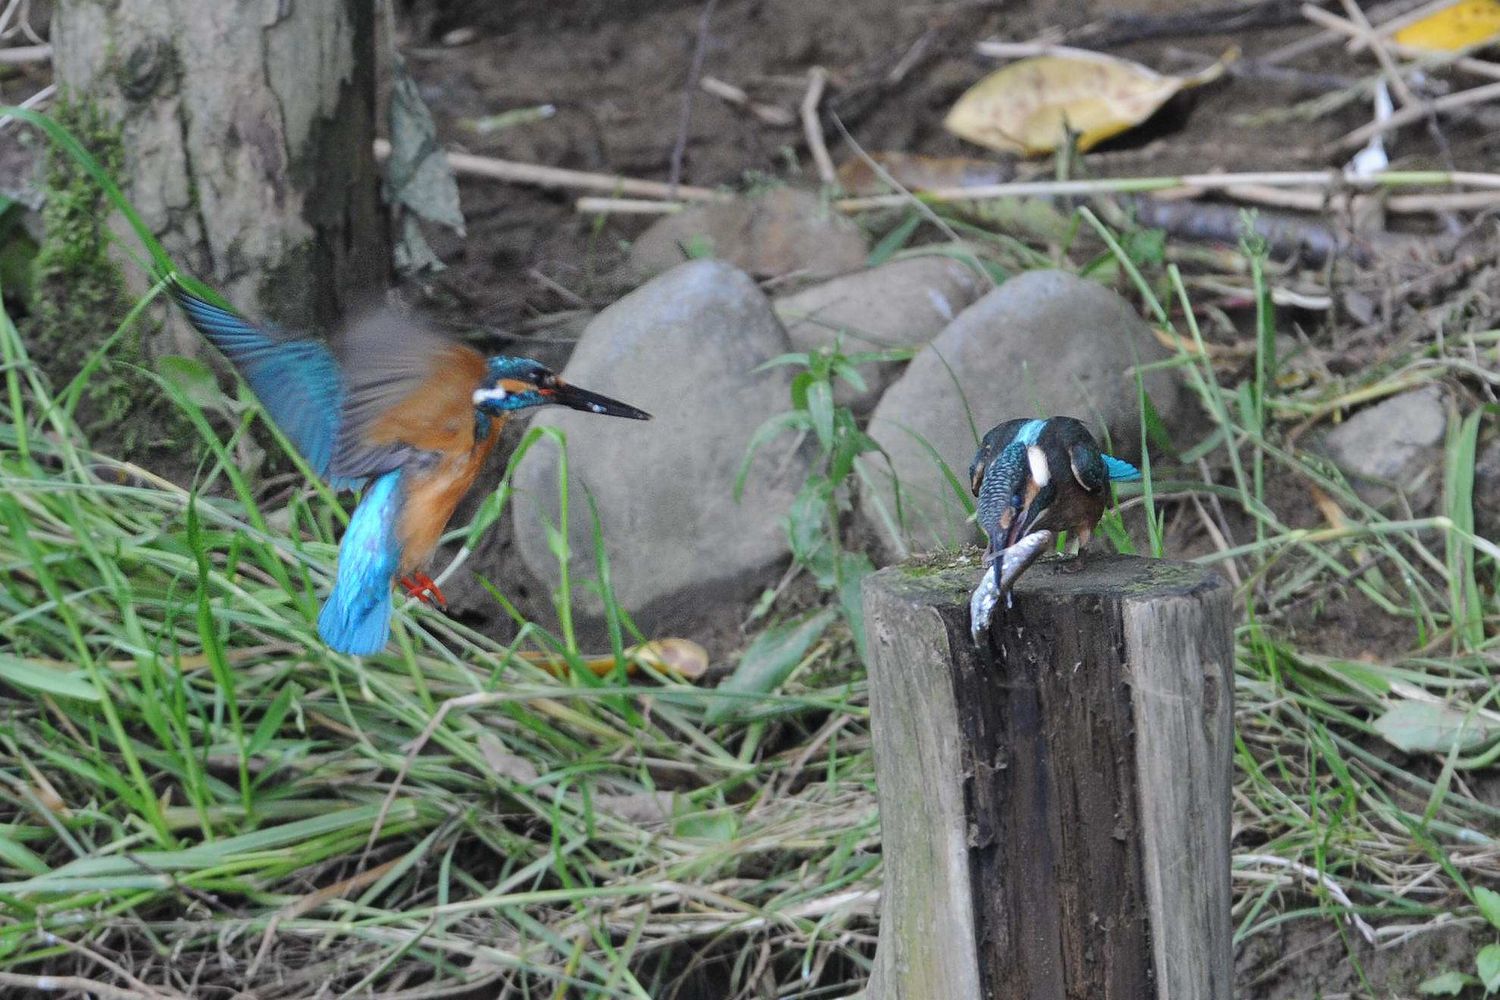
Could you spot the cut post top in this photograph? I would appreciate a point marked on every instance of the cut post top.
(948, 578)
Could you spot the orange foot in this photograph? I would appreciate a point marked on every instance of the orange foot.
(420, 586)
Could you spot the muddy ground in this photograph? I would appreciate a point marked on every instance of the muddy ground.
(617, 74)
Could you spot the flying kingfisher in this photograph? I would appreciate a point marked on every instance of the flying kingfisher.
(1035, 478)
(402, 413)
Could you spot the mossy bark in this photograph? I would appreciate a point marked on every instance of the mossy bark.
(79, 294)
(246, 144)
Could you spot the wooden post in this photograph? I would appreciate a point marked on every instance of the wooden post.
(1055, 805)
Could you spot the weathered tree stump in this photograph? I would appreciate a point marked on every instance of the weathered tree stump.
(1054, 805)
(247, 131)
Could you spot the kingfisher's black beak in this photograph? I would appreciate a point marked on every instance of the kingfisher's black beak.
(564, 394)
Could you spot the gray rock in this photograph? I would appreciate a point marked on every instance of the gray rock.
(779, 232)
(1487, 491)
(1045, 343)
(684, 347)
(901, 304)
(1393, 446)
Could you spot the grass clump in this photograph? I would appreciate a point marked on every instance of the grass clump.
(78, 294)
(190, 772)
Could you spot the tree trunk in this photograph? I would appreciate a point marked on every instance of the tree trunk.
(247, 131)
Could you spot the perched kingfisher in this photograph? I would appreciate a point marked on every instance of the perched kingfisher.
(405, 414)
(1035, 478)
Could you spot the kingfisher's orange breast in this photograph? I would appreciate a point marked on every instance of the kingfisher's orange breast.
(432, 496)
(437, 417)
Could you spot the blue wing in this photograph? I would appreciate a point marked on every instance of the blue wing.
(296, 379)
(1001, 490)
(1120, 470)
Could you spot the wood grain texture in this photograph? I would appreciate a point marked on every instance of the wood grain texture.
(913, 708)
(1089, 743)
(1183, 697)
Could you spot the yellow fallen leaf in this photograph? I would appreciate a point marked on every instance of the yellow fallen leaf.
(1027, 106)
(1464, 24)
(681, 658)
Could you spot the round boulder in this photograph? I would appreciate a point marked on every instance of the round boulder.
(1045, 343)
(904, 304)
(1394, 446)
(779, 232)
(685, 347)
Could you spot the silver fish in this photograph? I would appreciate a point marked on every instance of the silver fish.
(998, 579)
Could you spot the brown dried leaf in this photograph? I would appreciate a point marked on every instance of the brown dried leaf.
(676, 657)
(648, 809)
(1029, 105)
(503, 762)
(916, 172)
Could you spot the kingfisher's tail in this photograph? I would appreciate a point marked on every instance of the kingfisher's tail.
(356, 618)
(1120, 470)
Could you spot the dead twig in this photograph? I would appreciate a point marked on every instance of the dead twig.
(1461, 201)
(310, 902)
(74, 984)
(1324, 180)
(905, 197)
(1420, 59)
(626, 206)
(685, 118)
(1312, 875)
(415, 748)
(770, 114)
(812, 128)
(1417, 112)
(515, 172)
(26, 54)
(1309, 240)
(34, 101)
(1388, 27)
(1388, 65)
(1385, 13)
(1121, 29)
(1029, 50)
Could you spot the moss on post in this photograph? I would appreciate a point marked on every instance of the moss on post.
(80, 297)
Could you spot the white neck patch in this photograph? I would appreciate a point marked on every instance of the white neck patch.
(1038, 462)
(489, 395)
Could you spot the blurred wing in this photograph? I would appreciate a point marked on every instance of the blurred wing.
(410, 392)
(296, 379)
